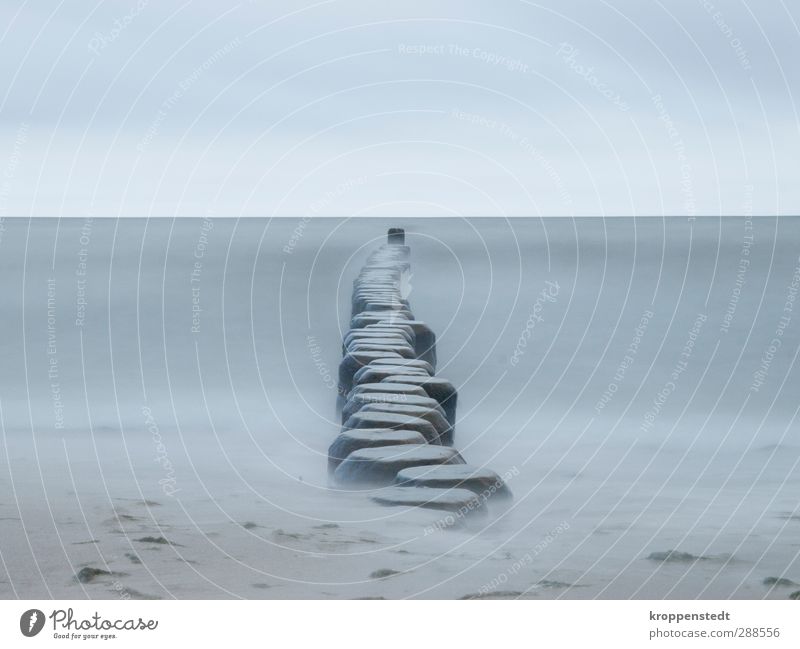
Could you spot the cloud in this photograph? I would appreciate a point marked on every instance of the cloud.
(140, 107)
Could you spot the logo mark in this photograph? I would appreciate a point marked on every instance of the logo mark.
(31, 622)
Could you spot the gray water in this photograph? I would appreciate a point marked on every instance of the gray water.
(647, 403)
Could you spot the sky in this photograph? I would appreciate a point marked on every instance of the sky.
(435, 108)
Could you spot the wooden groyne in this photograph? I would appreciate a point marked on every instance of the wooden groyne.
(398, 416)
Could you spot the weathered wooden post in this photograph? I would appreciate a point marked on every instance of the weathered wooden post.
(397, 236)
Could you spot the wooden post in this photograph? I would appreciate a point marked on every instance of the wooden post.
(396, 237)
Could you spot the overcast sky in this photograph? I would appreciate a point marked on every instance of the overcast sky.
(642, 107)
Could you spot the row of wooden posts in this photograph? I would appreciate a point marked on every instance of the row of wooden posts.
(398, 417)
